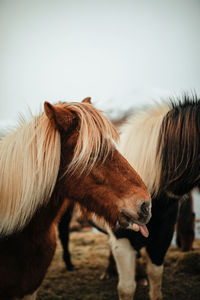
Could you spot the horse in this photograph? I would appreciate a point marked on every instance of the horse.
(66, 154)
(162, 143)
(185, 232)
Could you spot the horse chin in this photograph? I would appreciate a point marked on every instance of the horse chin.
(141, 227)
(135, 222)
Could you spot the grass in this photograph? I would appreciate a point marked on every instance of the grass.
(90, 251)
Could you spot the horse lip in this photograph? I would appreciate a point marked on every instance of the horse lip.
(129, 218)
(126, 219)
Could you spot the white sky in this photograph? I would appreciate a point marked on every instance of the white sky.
(121, 53)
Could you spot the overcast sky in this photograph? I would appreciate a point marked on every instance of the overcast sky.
(121, 53)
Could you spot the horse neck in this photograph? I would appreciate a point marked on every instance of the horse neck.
(49, 214)
(183, 181)
(45, 217)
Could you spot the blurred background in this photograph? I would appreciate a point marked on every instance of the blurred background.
(124, 54)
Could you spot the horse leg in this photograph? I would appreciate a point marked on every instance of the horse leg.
(185, 223)
(161, 233)
(28, 297)
(125, 258)
(111, 270)
(63, 229)
(154, 273)
(141, 273)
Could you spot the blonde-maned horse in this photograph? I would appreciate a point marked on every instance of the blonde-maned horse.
(65, 155)
(163, 145)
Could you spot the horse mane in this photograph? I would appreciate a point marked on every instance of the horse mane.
(95, 139)
(30, 160)
(139, 144)
(162, 143)
(180, 141)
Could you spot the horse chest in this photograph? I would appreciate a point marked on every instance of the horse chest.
(23, 265)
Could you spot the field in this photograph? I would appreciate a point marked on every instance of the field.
(90, 252)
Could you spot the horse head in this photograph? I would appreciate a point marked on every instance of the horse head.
(92, 172)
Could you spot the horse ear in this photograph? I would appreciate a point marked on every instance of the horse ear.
(59, 116)
(87, 100)
(49, 110)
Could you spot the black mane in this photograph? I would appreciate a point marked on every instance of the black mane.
(187, 100)
(180, 140)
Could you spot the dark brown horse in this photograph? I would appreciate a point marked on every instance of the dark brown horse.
(166, 139)
(65, 155)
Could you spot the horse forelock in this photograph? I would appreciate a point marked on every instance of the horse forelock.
(139, 143)
(180, 141)
(96, 138)
(29, 164)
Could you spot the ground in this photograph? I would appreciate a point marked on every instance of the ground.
(90, 252)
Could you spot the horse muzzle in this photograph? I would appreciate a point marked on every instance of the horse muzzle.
(128, 216)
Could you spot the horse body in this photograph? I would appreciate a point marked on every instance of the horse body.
(66, 155)
(177, 169)
(25, 257)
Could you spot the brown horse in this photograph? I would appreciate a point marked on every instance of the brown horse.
(166, 139)
(65, 155)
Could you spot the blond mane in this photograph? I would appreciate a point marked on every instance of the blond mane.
(139, 144)
(30, 160)
(95, 140)
(29, 164)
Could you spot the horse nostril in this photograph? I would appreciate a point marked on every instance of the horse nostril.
(144, 209)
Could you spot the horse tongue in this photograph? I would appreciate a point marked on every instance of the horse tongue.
(144, 231)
